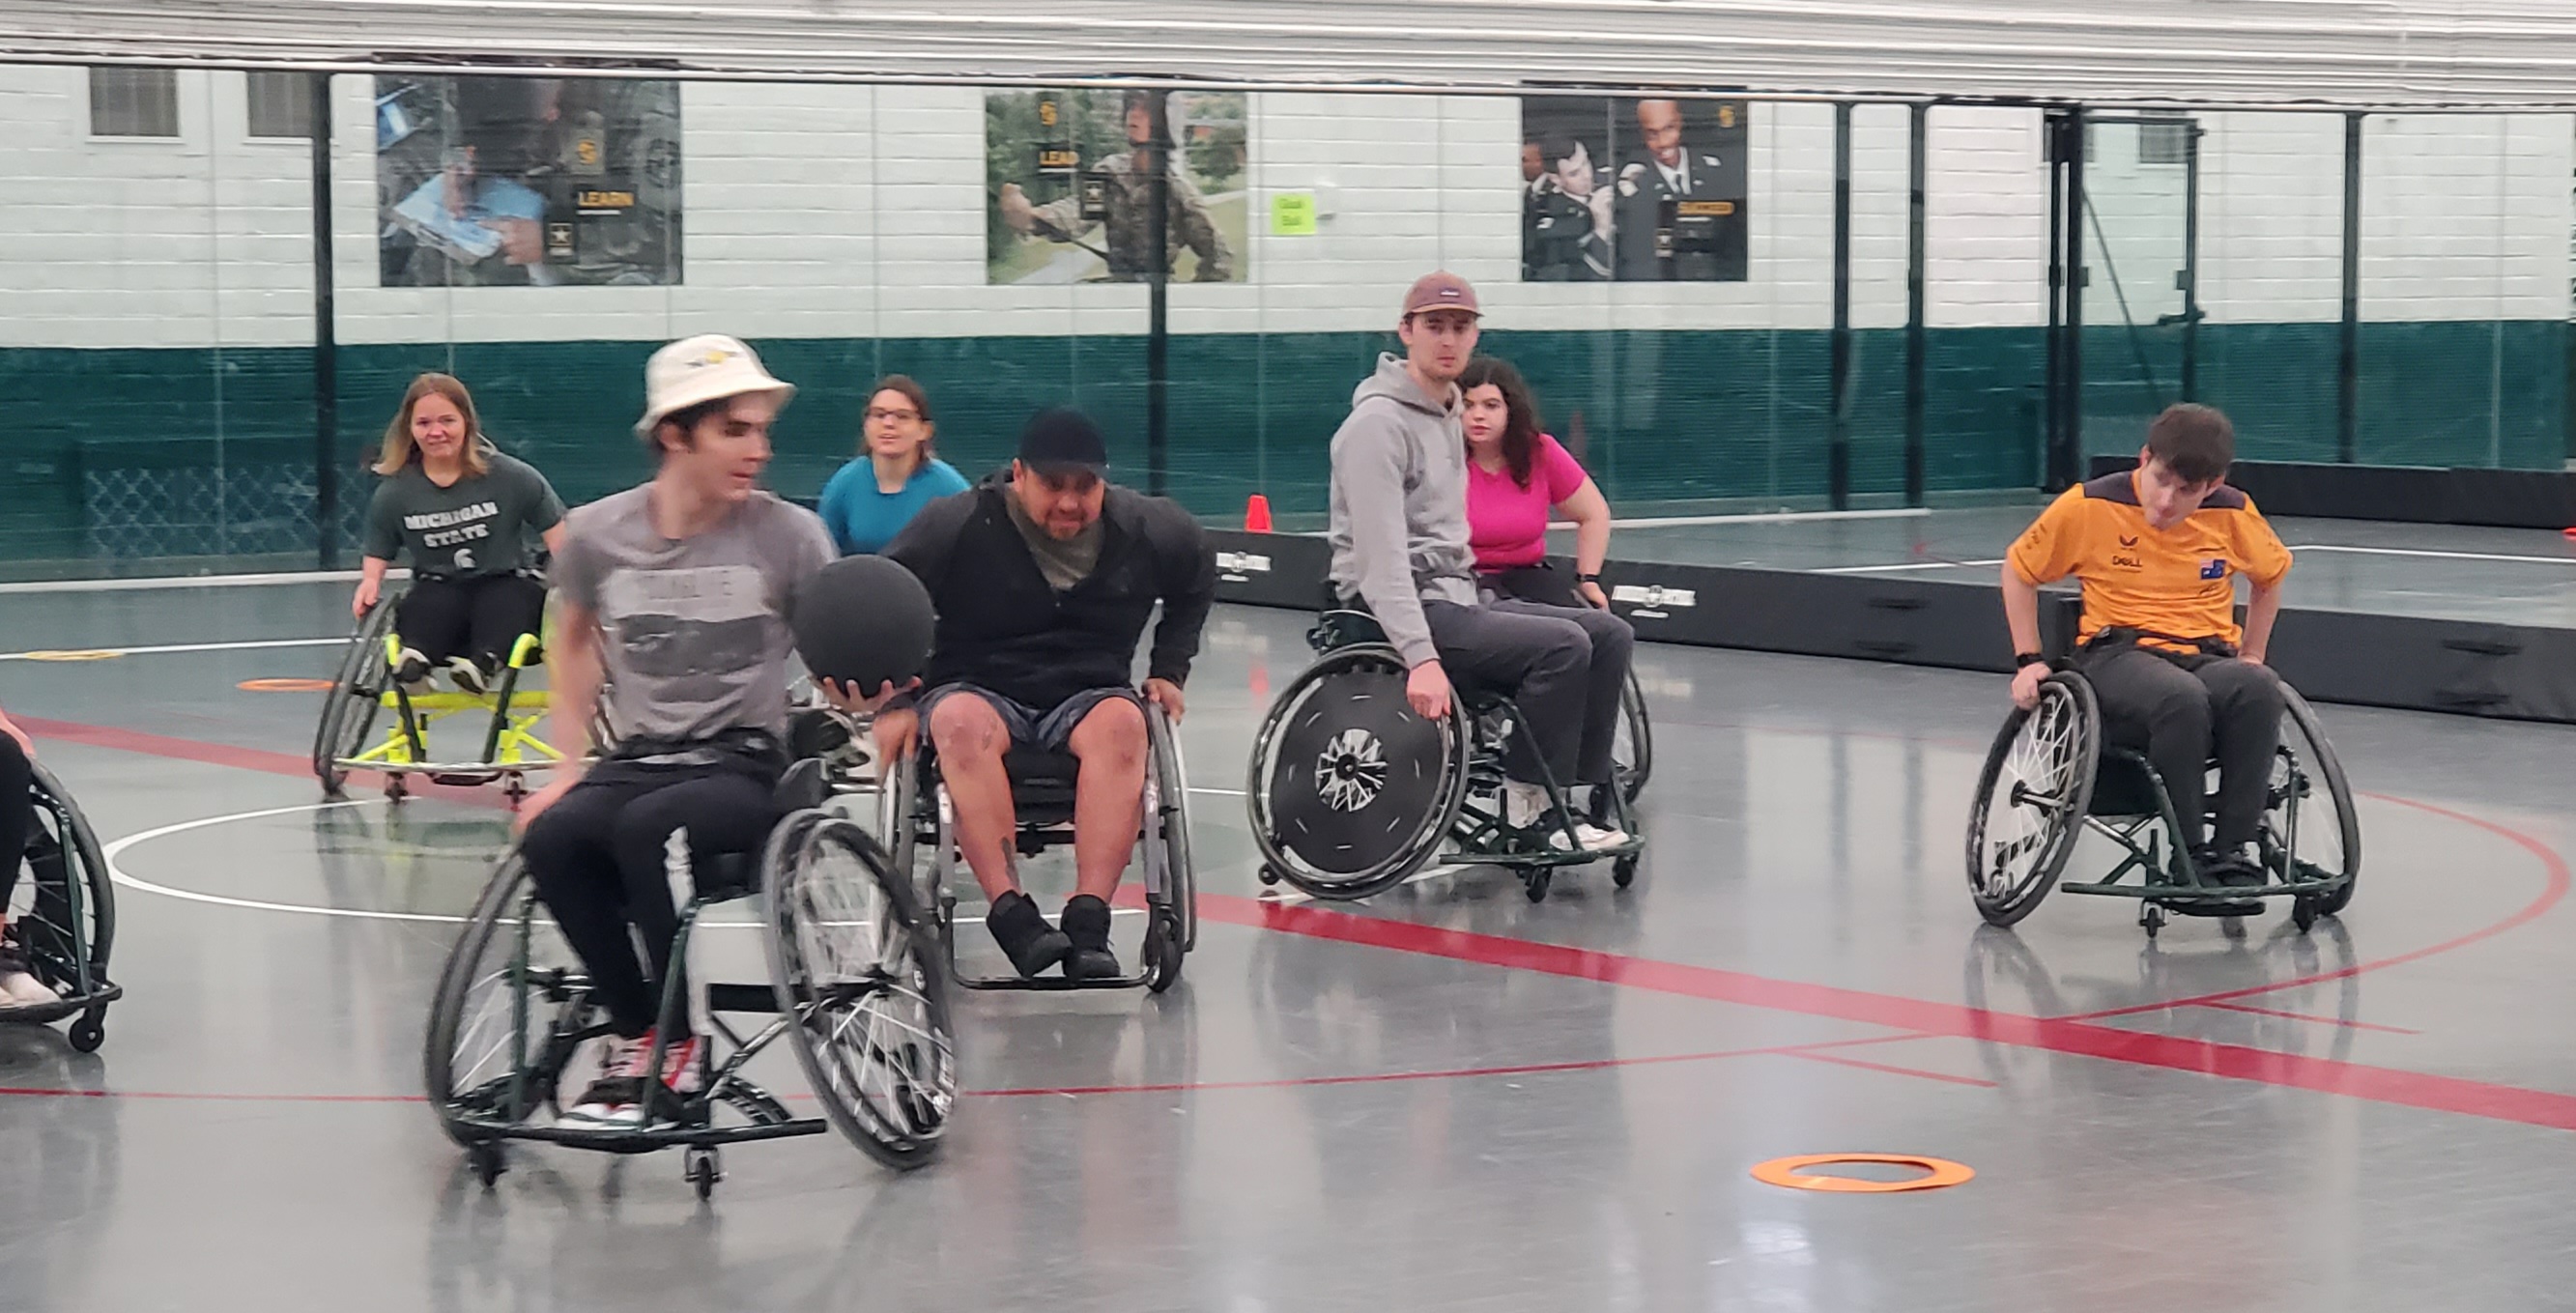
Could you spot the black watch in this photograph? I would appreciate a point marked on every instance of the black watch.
(1582, 578)
(2022, 659)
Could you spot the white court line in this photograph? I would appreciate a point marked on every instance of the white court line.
(45, 654)
(1759, 517)
(1910, 565)
(193, 581)
(2443, 555)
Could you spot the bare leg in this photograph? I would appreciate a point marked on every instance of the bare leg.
(971, 739)
(1108, 794)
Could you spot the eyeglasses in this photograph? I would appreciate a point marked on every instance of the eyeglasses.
(898, 416)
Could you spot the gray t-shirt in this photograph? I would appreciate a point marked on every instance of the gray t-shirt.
(696, 628)
(471, 528)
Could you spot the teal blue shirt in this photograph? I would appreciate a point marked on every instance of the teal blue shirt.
(863, 520)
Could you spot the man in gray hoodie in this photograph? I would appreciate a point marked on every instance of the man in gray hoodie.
(1399, 534)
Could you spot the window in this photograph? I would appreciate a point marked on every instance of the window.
(2164, 141)
(133, 102)
(281, 105)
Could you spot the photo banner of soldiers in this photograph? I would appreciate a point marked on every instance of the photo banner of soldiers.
(1632, 189)
(528, 182)
(1069, 181)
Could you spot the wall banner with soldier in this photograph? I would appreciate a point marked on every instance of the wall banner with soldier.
(1632, 189)
(527, 182)
(1070, 179)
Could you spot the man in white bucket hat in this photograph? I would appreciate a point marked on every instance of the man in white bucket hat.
(678, 592)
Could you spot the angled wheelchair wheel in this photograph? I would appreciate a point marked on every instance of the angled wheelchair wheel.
(2310, 831)
(62, 906)
(511, 1004)
(1168, 783)
(2031, 799)
(865, 995)
(350, 709)
(1350, 792)
(1632, 746)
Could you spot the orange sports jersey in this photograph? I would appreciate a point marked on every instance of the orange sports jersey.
(2177, 582)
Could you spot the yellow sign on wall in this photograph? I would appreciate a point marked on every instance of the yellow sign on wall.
(1292, 214)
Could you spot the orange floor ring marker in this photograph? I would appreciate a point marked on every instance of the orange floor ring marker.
(1791, 1172)
(285, 686)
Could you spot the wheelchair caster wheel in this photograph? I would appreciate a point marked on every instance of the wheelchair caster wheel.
(1537, 882)
(2303, 913)
(87, 1035)
(1162, 953)
(1623, 872)
(2152, 918)
(397, 788)
(485, 1160)
(703, 1170)
(1268, 874)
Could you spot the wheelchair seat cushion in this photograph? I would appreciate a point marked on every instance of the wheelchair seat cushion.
(2124, 786)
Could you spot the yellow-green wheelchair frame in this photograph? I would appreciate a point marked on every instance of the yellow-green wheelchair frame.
(365, 688)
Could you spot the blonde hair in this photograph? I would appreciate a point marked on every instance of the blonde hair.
(399, 450)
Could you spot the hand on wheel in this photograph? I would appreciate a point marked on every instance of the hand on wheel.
(365, 600)
(1167, 695)
(2025, 686)
(895, 734)
(1427, 688)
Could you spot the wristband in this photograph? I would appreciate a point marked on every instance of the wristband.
(2023, 659)
(1581, 578)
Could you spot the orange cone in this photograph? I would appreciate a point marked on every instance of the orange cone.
(1256, 514)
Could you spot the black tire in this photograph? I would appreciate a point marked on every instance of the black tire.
(1171, 787)
(1536, 882)
(349, 710)
(1329, 722)
(62, 901)
(1623, 872)
(703, 1169)
(2064, 737)
(487, 1162)
(1632, 749)
(2330, 844)
(1164, 952)
(494, 1050)
(847, 944)
(87, 1035)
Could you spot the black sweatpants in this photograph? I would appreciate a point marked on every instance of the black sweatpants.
(2184, 709)
(1565, 667)
(597, 856)
(17, 813)
(480, 617)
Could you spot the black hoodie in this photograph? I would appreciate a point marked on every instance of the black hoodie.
(1002, 628)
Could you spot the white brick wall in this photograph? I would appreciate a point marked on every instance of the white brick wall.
(855, 212)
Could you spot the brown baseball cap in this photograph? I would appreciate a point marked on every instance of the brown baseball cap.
(1441, 291)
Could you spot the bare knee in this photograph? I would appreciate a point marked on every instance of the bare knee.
(964, 726)
(1112, 733)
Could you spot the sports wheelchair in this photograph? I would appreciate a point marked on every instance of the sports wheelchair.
(63, 913)
(2050, 778)
(365, 689)
(914, 813)
(854, 986)
(1351, 793)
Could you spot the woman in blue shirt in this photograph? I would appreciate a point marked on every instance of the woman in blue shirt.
(870, 499)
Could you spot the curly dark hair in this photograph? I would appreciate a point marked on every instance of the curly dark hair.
(1520, 426)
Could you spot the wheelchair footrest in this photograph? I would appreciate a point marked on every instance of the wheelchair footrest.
(1051, 984)
(646, 1139)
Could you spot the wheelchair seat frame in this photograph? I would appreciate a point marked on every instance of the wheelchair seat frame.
(365, 687)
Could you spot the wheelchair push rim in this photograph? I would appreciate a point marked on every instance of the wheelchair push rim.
(1173, 930)
(2032, 796)
(858, 978)
(63, 908)
(496, 1047)
(350, 709)
(1344, 789)
(1632, 747)
(2310, 832)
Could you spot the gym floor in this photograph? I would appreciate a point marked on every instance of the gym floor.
(1448, 1098)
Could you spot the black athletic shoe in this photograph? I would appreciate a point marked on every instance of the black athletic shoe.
(1025, 937)
(1086, 924)
(2232, 870)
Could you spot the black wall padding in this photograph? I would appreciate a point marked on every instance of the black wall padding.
(2502, 499)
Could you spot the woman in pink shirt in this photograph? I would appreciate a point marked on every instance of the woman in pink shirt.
(1516, 477)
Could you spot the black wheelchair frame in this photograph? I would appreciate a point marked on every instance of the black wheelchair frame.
(890, 1090)
(365, 687)
(68, 922)
(2113, 791)
(913, 812)
(1470, 768)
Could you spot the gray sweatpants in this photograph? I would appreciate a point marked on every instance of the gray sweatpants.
(1564, 667)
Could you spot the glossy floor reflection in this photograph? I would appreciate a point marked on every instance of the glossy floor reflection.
(1446, 1099)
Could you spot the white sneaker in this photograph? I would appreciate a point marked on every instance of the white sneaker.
(1597, 838)
(1523, 804)
(411, 670)
(467, 676)
(616, 1099)
(18, 985)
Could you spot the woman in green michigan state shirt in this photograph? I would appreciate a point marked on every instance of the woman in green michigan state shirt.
(465, 512)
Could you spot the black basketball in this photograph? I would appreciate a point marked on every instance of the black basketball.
(864, 621)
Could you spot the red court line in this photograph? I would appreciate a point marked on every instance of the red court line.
(2073, 1036)
(1893, 1071)
(225, 754)
(2302, 1016)
(2550, 895)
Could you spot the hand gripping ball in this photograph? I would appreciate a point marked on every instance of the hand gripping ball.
(863, 621)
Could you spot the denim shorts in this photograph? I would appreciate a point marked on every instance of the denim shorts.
(1049, 731)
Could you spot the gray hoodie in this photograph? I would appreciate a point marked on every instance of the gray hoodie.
(1400, 506)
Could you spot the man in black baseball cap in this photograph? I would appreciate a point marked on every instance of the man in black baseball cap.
(1043, 581)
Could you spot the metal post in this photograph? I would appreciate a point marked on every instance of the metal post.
(2191, 262)
(2066, 458)
(2052, 408)
(326, 342)
(1158, 323)
(1838, 455)
(1916, 340)
(2348, 391)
